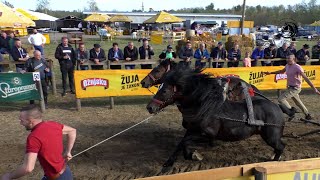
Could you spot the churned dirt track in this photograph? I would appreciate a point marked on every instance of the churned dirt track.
(141, 151)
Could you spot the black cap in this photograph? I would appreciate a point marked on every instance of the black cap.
(96, 46)
(220, 43)
(169, 47)
(306, 46)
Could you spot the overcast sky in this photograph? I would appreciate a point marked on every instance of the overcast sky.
(128, 5)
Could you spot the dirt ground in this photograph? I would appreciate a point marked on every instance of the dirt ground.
(141, 151)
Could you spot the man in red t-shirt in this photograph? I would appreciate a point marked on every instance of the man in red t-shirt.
(45, 142)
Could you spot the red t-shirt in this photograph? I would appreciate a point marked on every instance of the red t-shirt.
(46, 139)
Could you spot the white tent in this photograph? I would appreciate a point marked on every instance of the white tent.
(42, 16)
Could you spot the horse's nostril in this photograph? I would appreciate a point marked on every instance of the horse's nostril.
(149, 108)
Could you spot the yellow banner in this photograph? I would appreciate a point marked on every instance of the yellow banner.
(101, 83)
(255, 76)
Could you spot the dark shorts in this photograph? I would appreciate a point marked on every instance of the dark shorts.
(66, 175)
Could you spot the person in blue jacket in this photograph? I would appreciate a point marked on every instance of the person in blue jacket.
(258, 53)
(201, 55)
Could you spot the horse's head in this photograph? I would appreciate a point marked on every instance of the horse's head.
(166, 95)
(156, 75)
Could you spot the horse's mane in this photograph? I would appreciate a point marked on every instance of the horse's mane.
(203, 90)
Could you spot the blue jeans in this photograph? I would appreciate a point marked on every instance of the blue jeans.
(39, 48)
(200, 64)
(66, 175)
(129, 66)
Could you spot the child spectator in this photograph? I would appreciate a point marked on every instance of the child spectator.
(247, 60)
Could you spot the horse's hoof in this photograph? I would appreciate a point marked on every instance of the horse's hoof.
(197, 156)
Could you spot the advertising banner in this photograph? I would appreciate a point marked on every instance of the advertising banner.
(19, 87)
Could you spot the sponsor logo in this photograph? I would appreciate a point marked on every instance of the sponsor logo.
(6, 90)
(256, 77)
(278, 77)
(305, 176)
(131, 82)
(90, 82)
(311, 74)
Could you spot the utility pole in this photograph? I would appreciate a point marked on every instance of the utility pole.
(243, 16)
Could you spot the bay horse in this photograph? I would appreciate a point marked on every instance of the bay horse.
(157, 75)
(206, 110)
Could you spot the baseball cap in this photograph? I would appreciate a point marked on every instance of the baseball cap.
(220, 43)
(306, 46)
(169, 47)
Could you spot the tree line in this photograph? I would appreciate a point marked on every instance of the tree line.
(303, 13)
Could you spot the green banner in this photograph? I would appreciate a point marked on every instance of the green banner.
(19, 87)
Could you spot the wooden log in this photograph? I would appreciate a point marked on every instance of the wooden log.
(78, 101)
(42, 104)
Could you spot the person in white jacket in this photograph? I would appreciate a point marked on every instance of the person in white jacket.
(37, 40)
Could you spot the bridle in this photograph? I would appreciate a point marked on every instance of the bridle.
(157, 79)
(162, 104)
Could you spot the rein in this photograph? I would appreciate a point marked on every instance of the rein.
(163, 103)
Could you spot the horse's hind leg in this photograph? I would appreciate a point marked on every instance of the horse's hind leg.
(272, 136)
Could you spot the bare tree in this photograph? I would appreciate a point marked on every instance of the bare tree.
(93, 6)
(7, 3)
(43, 6)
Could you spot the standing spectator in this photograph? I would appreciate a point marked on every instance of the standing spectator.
(186, 54)
(44, 142)
(37, 40)
(82, 55)
(19, 54)
(258, 53)
(97, 55)
(88, 28)
(92, 27)
(80, 26)
(168, 54)
(130, 54)
(146, 52)
(282, 53)
(269, 53)
(234, 56)
(115, 55)
(303, 55)
(316, 53)
(39, 64)
(66, 56)
(202, 55)
(247, 60)
(4, 43)
(295, 74)
(11, 41)
(292, 48)
(218, 53)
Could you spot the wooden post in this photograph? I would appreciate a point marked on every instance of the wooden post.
(210, 62)
(111, 98)
(243, 16)
(278, 92)
(78, 101)
(42, 105)
(260, 173)
(54, 85)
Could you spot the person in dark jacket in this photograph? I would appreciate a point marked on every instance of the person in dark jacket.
(146, 52)
(292, 48)
(19, 54)
(218, 53)
(234, 56)
(39, 64)
(130, 54)
(186, 54)
(316, 53)
(115, 55)
(66, 56)
(303, 55)
(283, 52)
(82, 55)
(4, 43)
(269, 53)
(202, 55)
(97, 55)
(168, 54)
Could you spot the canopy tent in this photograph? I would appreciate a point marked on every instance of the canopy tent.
(27, 20)
(27, 14)
(8, 18)
(97, 18)
(164, 18)
(41, 16)
(120, 18)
